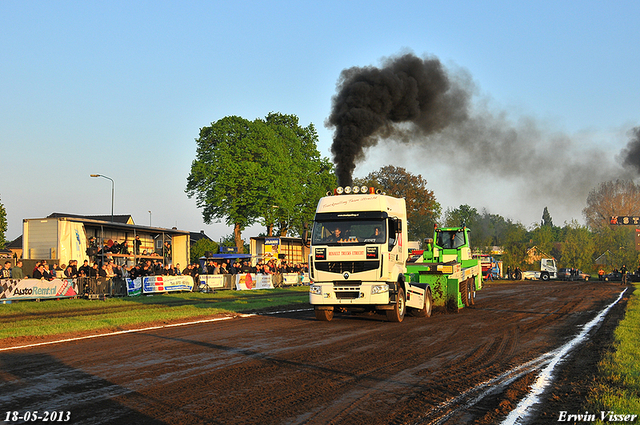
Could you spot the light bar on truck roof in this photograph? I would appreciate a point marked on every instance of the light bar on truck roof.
(347, 190)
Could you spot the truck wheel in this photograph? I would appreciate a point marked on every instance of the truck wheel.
(425, 311)
(324, 315)
(464, 292)
(544, 276)
(397, 314)
(472, 291)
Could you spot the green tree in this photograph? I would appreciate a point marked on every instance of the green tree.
(3, 226)
(620, 242)
(543, 237)
(464, 215)
(238, 172)
(422, 208)
(578, 247)
(229, 241)
(515, 246)
(546, 218)
(488, 230)
(308, 177)
(199, 248)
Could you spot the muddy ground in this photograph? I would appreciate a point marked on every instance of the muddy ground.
(288, 368)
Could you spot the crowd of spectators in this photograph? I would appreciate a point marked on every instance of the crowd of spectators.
(262, 267)
(146, 267)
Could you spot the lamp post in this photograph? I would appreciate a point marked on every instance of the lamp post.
(112, 190)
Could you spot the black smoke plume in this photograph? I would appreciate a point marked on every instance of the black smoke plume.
(631, 154)
(437, 122)
(371, 102)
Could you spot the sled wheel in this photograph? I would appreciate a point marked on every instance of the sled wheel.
(425, 311)
(472, 291)
(464, 292)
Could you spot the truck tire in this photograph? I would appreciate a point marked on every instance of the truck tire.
(544, 276)
(324, 315)
(472, 291)
(464, 292)
(399, 308)
(425, 311)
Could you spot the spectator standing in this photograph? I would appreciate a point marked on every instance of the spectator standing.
(38, 273)
(136, 245)
(6, 270)
(68, 272)
(16, 271)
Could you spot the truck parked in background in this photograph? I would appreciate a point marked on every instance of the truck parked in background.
(491, 268)
(447, 267)
(358, 256)
(548, 270)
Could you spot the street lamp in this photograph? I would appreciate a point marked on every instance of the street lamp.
(112, 190)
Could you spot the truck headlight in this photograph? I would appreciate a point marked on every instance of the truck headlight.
(379, 289)
(315, 289)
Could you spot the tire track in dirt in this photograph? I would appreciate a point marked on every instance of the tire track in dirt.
(291, 369)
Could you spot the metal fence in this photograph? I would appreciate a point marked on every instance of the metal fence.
(90, 287)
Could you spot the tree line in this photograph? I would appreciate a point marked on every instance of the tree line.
(269, 171)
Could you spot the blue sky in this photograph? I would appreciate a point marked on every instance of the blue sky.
(122, 89)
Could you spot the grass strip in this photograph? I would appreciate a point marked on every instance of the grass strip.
(617, 388)
(53, 317)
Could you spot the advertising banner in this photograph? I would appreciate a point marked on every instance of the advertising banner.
(31, 289)
(292, 279)
(134, 287)
(248, 281)
(157, 284)
(213, 281)
(264, 281)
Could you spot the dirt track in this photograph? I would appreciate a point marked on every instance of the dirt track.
(290, 369)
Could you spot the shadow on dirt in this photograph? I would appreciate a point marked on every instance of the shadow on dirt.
(41, 383)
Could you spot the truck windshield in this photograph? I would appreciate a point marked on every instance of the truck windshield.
(345, 232)
(450, 239)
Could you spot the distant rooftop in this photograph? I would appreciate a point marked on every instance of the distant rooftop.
(117, 218)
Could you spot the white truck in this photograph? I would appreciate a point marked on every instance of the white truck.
(358, 256)
(548, 270)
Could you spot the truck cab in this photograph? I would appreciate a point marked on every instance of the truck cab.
(448, 268)
(358, 255)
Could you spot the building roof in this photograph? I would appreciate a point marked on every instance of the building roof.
(117, 218)
(196, 236)
(95, 221)
(15, 244)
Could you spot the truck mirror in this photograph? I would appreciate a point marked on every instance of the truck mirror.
(393, 230)
(305, 235)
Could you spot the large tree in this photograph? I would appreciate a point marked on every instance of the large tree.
(257, 171)
(578, 246)
(620, 197)
(234, 175)
(422, 208)
(464, 215)
(308, 178)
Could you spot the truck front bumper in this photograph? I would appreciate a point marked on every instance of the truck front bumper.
(339, 294)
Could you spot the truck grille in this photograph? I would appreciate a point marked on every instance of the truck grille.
(347, 266)
(347, 295)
